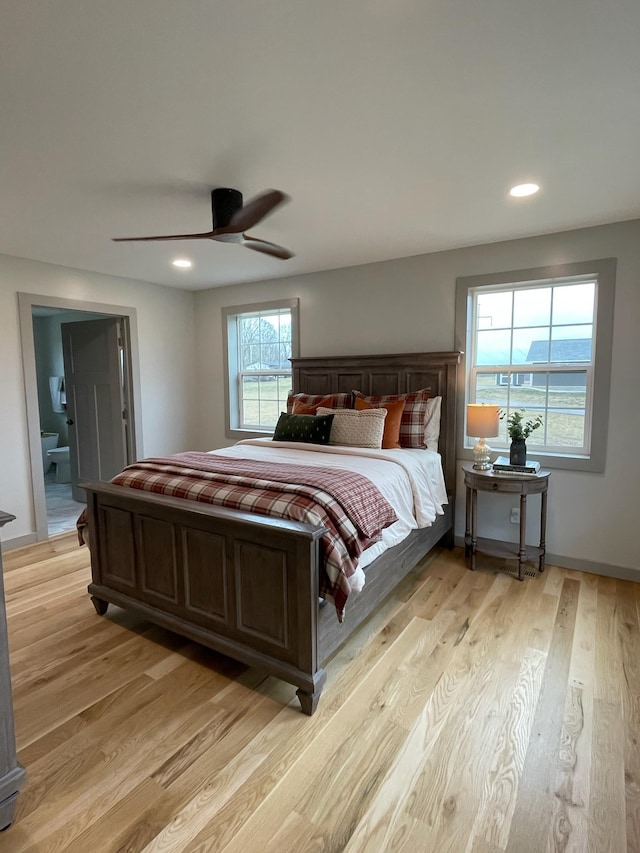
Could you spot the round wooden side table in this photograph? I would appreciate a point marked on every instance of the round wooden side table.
(522, 485)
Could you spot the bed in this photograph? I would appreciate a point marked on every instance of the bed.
(247, 585)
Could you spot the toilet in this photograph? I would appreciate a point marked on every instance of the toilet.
(48, 440)
(60, 457)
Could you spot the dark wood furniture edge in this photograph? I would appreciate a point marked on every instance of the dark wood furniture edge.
(12, 775)
(242, 632)
(147, 550)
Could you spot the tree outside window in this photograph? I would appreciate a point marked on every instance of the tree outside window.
(260, 341)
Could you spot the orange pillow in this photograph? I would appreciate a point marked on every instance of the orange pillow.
(302, 409)
(308, 404)
(391, 436)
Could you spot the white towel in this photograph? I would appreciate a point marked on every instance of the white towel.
(58, 396)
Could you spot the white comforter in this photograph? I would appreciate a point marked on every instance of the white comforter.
(411, 480)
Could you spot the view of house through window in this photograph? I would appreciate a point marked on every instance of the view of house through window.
(532, 348)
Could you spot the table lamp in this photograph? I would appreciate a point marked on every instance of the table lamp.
(482, 422)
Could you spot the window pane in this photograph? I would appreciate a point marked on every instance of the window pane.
(543, 358)
(250, 403)
(522, 391)
(261, 342)
(265, 344)
(491, 388)
(530, 345)
(285, 330)
(493, 347)
(494, 310)
(532, 307)
(539, 348)
(263, 398)
(565, 428)
(246, 357)
(560, 398)
(571, 343)
(574, 303)
(567, 404)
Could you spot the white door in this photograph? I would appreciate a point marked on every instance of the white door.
(95, 384)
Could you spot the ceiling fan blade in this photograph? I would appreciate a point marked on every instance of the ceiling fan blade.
(256, 209)
(267, 248)
(204, 236)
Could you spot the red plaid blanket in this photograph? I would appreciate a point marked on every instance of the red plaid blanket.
(346, 503)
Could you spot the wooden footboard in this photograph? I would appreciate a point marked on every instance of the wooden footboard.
(244, 585)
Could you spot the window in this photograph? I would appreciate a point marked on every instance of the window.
(540, 341)
(259, 341)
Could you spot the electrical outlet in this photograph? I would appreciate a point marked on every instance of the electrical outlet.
(515, 515)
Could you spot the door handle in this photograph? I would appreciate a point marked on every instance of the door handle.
(69, 422)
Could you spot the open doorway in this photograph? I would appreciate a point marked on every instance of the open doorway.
(63, 388)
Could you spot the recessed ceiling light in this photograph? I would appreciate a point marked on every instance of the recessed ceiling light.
(182, 263)
(523, 189)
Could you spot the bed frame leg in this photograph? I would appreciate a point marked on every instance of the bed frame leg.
(309, 698)
(100, 605)
(448, 540)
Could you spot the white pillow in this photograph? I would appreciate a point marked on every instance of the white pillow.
(432, 423)
(353, 428)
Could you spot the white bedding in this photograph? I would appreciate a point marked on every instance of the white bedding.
(411, 480)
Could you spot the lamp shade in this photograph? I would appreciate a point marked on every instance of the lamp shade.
(483, 420)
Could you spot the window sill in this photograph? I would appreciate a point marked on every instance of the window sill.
(239, 434)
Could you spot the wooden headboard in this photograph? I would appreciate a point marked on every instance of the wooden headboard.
(390, 374)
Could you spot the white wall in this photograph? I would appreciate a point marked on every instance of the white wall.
(408, 305)
(167, 368)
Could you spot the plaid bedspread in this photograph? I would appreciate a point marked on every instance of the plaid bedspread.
(348, 504)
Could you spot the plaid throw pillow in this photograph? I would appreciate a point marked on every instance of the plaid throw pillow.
(414, 414)
(308, 404)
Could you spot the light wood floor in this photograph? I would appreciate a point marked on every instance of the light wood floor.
(474, 714)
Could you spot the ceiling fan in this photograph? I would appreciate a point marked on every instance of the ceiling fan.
(231, 220)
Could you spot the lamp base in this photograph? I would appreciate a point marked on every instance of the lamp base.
(481, 456)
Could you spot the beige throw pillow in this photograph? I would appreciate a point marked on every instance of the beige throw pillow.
(353, 428)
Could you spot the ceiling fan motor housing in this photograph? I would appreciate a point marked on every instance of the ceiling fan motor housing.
(224, 203)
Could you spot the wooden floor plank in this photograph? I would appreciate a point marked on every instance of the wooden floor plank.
(607, 824)
(287, 781)
(570, 823)
(486, 676)
(121, 765)
(627, 617)
(471, 714)
(378, 695)
(534, 805)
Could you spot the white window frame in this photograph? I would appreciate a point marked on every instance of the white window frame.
(235, 429)
(592, 456)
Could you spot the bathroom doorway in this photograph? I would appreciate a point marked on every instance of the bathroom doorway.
(55, 441)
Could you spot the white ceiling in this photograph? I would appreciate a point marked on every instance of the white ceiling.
(396, 126)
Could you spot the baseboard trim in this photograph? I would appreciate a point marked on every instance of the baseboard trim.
(622, 573)
(19, 542)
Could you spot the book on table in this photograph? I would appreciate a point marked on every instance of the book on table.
(502, 465)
